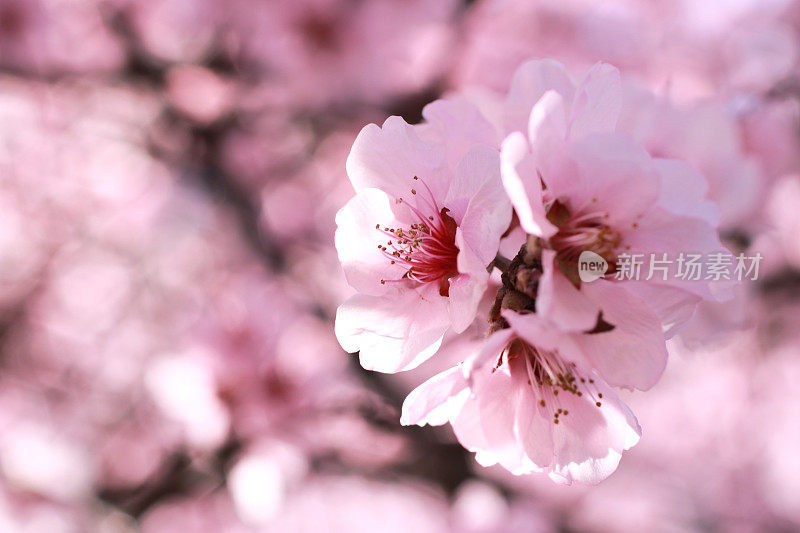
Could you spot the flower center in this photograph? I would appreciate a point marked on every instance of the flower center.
(581, 232)
(548, 375)
(427, 247)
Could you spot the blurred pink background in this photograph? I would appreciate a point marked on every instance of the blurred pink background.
(169, 175)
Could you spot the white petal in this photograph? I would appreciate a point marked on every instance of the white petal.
(388, 158)
(457, 125)
(523, 186)
(392, 333)
(558, 300)
(598, 102)
(437, 400)
(357, 242)
(634, 353)
(478, 202)
(547, 127)
(530, 82)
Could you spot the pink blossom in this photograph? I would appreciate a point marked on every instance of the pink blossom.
(577, 186)
(530, 401)
(416, 239)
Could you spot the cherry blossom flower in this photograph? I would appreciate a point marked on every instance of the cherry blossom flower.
(579, 186)
(530, 401)
(416, 239)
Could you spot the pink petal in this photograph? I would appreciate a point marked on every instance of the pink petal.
(609, 174)
(357, 242)
(457, 125)
(683, 191)
(437, 400)
(469, 431)
(478, 203)
(547, 127)
(489, 352)
(466, 291)
(659, 232)
(388, 158)
(674, 307)
(542, 333)
(530, 82)
(499, 400)
(392, 333)
(558, 300)
(533, 428)
(598, 102)
(633, 354)
(590, 440)
(468, 287)
(523, 186)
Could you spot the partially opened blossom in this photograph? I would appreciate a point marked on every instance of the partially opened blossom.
(579, 186)
(530, 401)
(416, 239)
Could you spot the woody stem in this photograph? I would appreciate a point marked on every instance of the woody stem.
(500, 262)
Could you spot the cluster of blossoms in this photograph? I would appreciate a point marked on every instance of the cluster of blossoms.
(170, 171)
(550, 170)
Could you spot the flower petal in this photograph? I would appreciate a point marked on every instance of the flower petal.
(478, 203)
(533, 429)
(457, 125)
(499, 399)
(388, 158)
(392, 333)
(558, 300)
(589, 441)
(633, 354)
(466, 291)
(547, 126)
(598, 102)
(609, 174)
(530, 82)
(488, 353)
(659, 232)
(437, 400)
(683, 191)
(357, 241)
(524, 187)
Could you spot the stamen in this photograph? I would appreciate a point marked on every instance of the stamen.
(548, 374)
(579, 232)
(427, 247)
